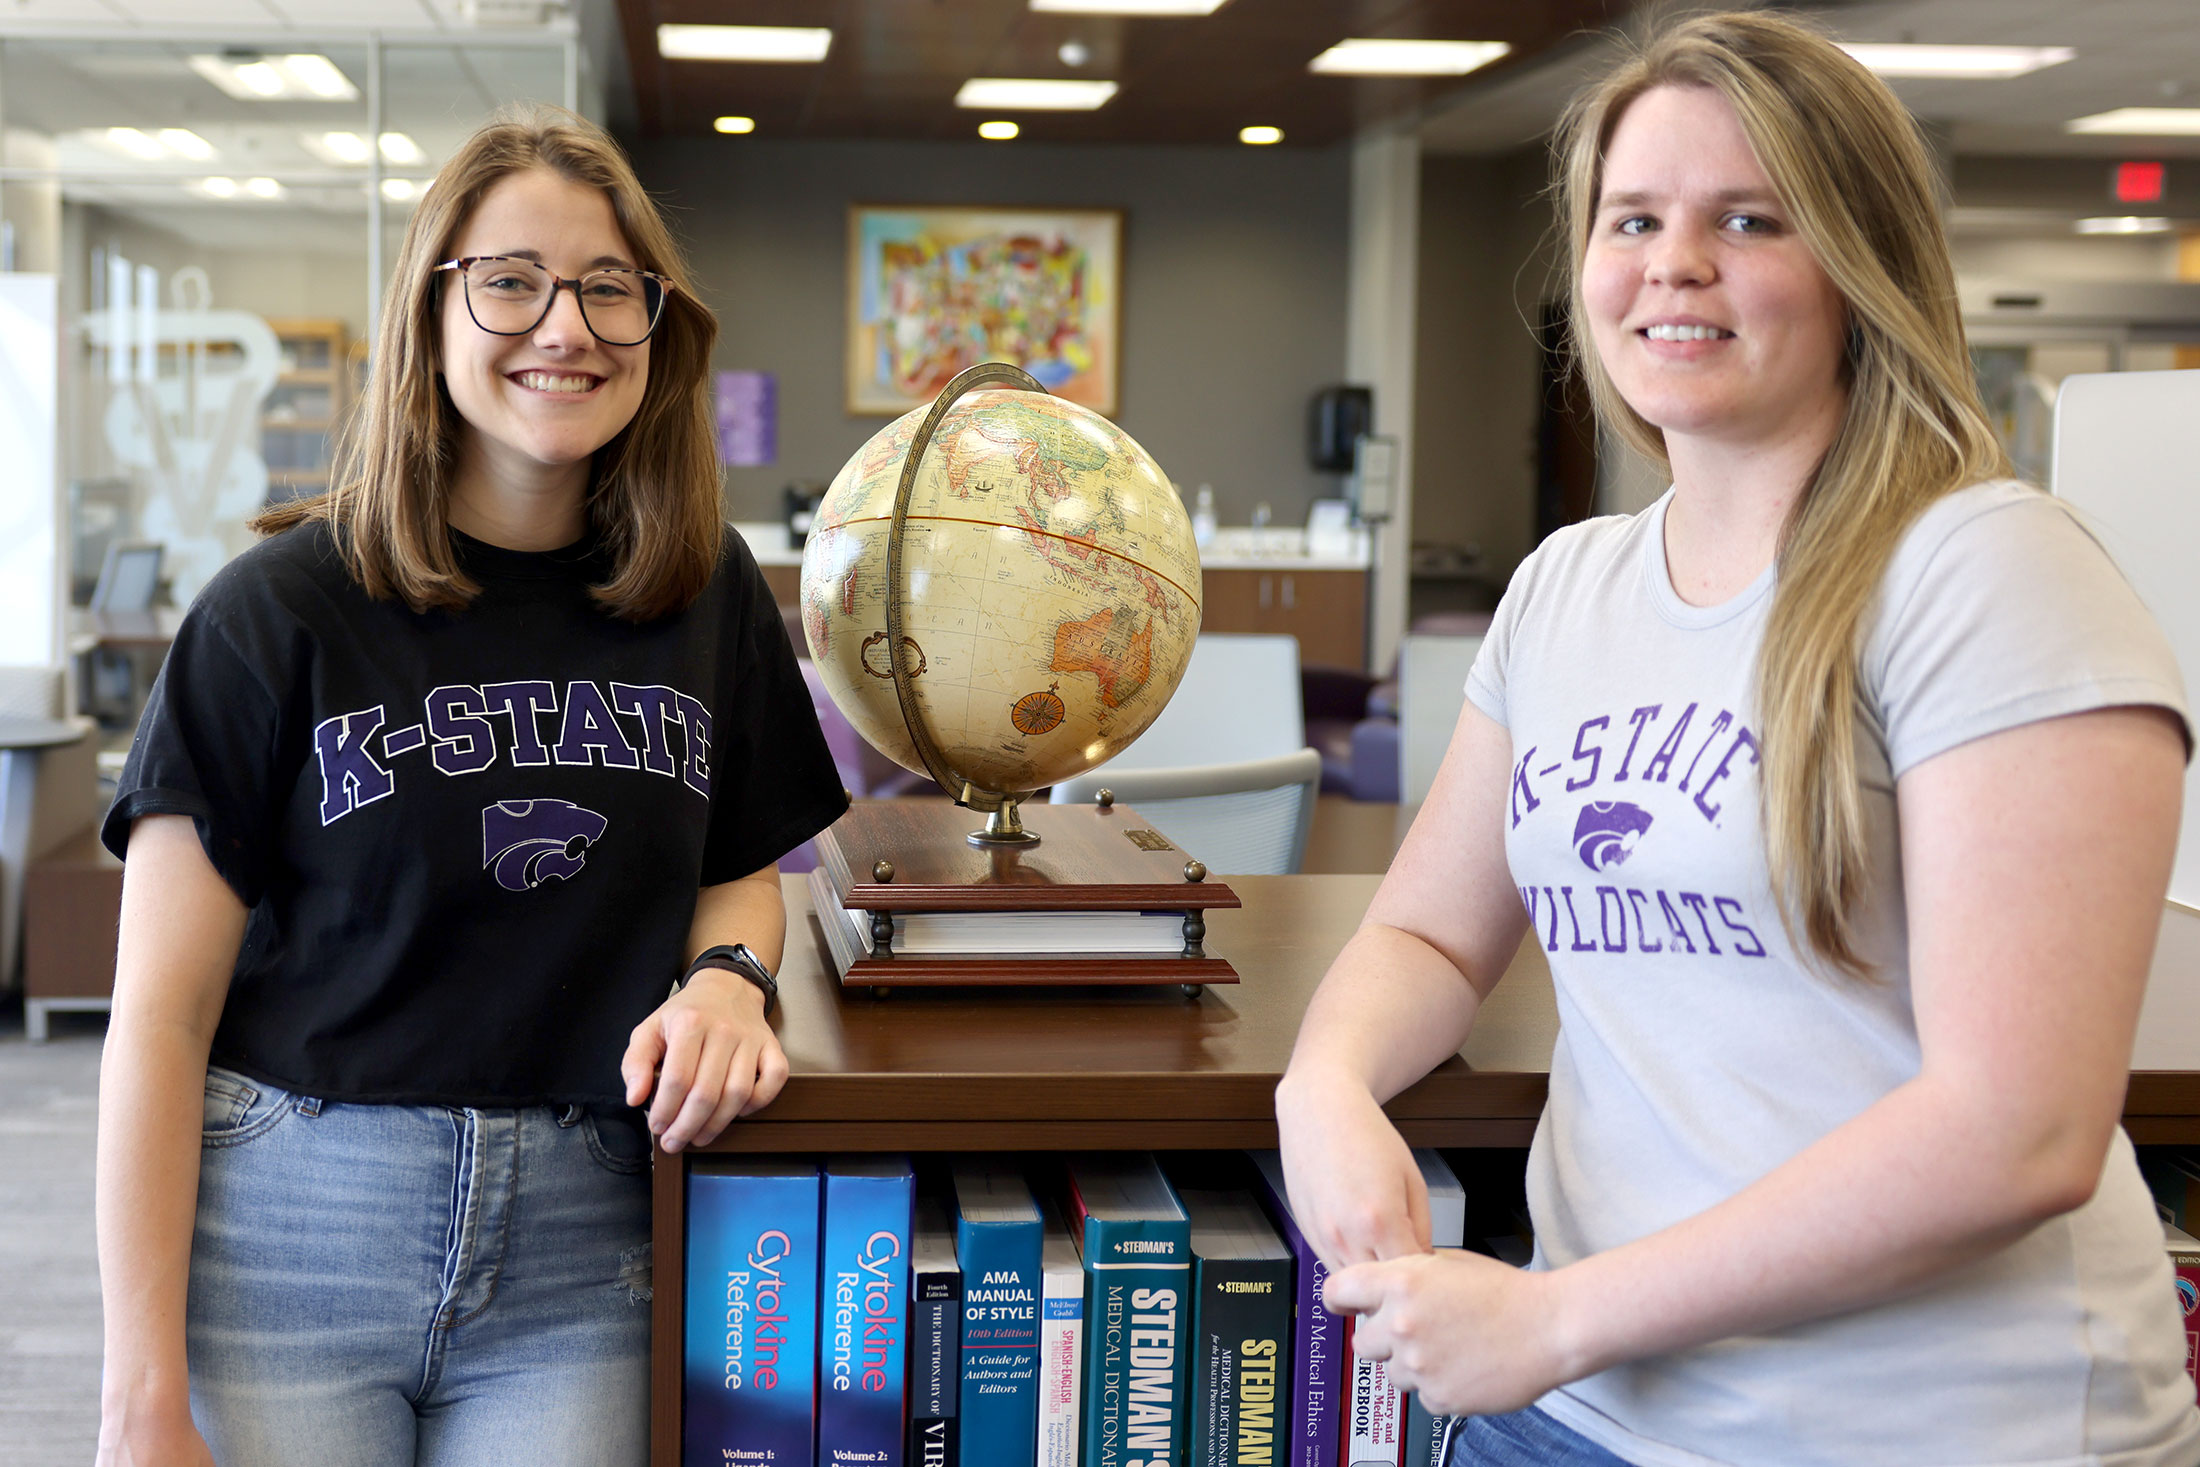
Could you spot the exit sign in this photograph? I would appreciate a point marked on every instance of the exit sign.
(2138, 183)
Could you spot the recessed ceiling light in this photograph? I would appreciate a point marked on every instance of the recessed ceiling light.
(1982, 62)
(998, 132)
(2141, 121)
(1017, 94)
(185, 143)
(137, 144)
(1260, 136)
(1407, 58)
(2124, 224)
(1130, 7)
(340, 147)
(398, 190)
(1074, 53)
(220, 188)
(734, 124)
(401, 150)
(774, 43)
(254, 78)
(263, 188)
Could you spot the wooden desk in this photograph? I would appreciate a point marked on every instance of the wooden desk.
(1015, 1070)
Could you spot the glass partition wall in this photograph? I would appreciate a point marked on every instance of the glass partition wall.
(221, 213)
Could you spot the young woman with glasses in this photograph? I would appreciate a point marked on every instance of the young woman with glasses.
(452, 830)
(1839, 788)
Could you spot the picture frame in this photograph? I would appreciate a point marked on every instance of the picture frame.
(934, 289)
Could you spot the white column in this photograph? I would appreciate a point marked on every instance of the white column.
(32, 556)
(1381, 295)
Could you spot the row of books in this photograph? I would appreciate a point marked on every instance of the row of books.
(1103, 1318)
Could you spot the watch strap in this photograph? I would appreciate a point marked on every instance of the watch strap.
(736, 958)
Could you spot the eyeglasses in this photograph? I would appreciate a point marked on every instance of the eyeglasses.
(508, 296)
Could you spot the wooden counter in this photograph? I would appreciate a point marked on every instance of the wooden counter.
(1065, 1069)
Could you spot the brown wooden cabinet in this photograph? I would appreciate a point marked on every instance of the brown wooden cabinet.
(1082, 1069)
(1325, 609)
(1143, 1069)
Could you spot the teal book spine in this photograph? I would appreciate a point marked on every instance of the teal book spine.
(1137, 1324)
(999, 1425)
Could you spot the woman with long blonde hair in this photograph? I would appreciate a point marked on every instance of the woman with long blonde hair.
(452, 831)
(1840, 788)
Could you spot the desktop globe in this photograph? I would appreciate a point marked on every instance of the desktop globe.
(1045, 603)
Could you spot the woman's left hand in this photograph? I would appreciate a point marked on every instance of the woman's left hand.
(708, 1056)
(1469, 1334)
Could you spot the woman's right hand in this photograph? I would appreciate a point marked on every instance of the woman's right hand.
(1356, 1193)
(144, 1436)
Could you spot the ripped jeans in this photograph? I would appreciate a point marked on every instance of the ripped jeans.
(417, 1286)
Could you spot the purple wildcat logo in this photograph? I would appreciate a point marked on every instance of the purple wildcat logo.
(1606, 833)
(529, 842)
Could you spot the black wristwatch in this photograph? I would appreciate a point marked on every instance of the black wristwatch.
(736, 959)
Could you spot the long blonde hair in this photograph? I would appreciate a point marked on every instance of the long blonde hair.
(653, 494)
(1857, 182)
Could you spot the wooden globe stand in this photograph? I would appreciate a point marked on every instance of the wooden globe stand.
(1067, 861)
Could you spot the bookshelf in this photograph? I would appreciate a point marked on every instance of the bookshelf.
(1143, 1069)
(299, 420)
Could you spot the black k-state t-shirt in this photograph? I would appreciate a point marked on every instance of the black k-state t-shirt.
(470, 842)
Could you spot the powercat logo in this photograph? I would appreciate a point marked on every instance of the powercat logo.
(528, 842)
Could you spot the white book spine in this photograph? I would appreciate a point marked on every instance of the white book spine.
(1375, 1429)
(1061, 1364)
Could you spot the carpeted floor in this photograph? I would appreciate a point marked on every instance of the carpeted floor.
(49, 1281)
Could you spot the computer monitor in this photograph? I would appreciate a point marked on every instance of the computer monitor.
(129, 577)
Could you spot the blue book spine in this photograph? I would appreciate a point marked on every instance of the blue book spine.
(1000, 1346)
(864, 1352)
(751, 1367)
(1316, 1336)
(1138, 1322)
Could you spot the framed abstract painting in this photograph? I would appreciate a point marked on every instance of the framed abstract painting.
(933, 290)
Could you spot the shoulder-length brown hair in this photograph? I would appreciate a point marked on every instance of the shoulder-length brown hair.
(653, 492)
(1853, 172)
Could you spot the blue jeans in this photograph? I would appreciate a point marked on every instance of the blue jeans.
(1524, 1439)
(417, 1286)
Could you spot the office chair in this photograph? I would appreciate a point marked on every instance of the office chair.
(1244, 819)
(1239, 699)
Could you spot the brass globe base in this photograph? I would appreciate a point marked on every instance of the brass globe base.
(1003, 827)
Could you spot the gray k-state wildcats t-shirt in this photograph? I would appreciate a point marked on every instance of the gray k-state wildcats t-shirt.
(1695, 1053)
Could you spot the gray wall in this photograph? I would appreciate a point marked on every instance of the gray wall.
(1233, 289)
(1482, 278)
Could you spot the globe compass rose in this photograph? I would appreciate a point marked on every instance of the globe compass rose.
(1038, 713)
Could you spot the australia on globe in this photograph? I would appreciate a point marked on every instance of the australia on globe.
(1051, 590)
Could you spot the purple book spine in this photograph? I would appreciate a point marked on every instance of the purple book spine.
(1315, 1335)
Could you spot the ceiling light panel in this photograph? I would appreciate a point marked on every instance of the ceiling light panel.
(184, 143)
(1129, 7)
(2157, 122)
(2124, 224)
(1983, 63)
(1016, 94)
(1361, 57)
(302, 77)
(998, 132)
(766, 43)
(401, 150)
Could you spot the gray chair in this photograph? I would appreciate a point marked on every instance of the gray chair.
(1245, 819)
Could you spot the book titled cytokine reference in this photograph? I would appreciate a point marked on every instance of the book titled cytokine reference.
(1135, 1240)
(864, 1335)
(752, 1295)
(997, 1241)
(935, 1338)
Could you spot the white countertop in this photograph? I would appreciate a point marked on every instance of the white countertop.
(1234, 548)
